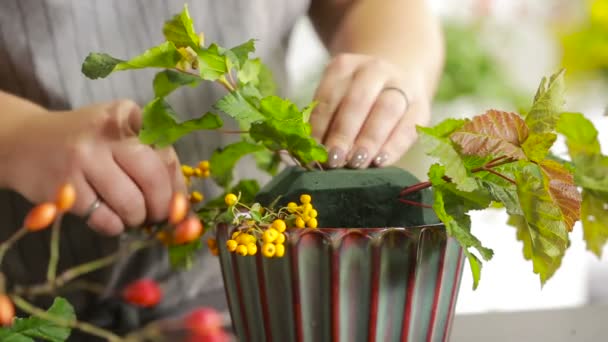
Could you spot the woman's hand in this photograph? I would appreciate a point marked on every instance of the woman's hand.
(367, 111)
(97, 149)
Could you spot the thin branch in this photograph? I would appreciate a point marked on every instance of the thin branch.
(54, 257)
(414, 188)
(232, 131)
(75, 272)
(414, 203)
(74, 324)
(500, 175)
(4, 246)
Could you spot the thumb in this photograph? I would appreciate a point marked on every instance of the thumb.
(126, 118)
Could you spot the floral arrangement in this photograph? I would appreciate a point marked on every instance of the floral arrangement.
(496, 159)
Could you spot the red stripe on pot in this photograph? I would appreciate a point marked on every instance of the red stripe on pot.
(409, 298)
(335, 293)
(297, 307)
(455, 288)
(375, 279)
(431, 328)
(263, 296)
(240, 296)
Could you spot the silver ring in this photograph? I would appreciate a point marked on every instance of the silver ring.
(407, 100)
(96, 204)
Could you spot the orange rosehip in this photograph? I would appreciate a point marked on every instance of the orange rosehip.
(178, 208)
(7, 310)
(188, 230)
(40, 217)
(143, 292)
(65, 198)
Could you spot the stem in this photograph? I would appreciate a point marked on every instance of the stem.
(75, 324)
(414, 188)
(232, 131)
(231, 79)
(4, 246)
(54, 258)
(500, 175)
(81, 269)
(414, 203)
(222, 80)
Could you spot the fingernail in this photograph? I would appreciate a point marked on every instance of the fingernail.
(380, 159)
(358, 158)
(335, 158)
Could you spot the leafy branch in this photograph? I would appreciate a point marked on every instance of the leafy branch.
(502, 158)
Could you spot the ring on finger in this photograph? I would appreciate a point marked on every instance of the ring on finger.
(96, 204)
(400, 91)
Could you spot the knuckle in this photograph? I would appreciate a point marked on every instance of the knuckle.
(390, 102)
(340, 63)
(131, 208)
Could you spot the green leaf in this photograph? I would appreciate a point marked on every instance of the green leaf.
(505, 193)
(444, 128)
(180, 30)
(160, 126)
(28, 329)
(451, 209)
(522, 234)
(563, 191)
(594, 213)
(223, 160)
(249, 72)
(546, 231)
(495, 133)
(165, 82)
(590, 172)
(547, 105)
(242, 105)
(284, 128)
(580, 133)
(182, 256)
(266, 83)
(268, 161)
(211, 63)
(439, 146)
(240, 54)
(537, 146)
(100, 65)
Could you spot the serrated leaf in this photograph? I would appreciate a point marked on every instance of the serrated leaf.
(249, 72)
(266, 83)
(537, 146)
(443, 149)
(268, 161)
(590, 172)
(547, 105)
(284, 128)
(451, 210)
(504, 193)
(180, 30)
(28, 329)
(563, 191)
(240, 53)
(223, 160)
(182, 256)
(580, 133)
(522, 234)
(161, 128)
(546, 229)
(100, 65)
(594, 213)
(494, 133)
(211, 63)
(165, 82)
(444, 128)
(242, 105)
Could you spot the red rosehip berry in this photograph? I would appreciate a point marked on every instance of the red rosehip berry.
(143, 292)
(188, 230)
(204, 321)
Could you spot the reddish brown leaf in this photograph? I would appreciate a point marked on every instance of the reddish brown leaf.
(563, 190)
(494, 133)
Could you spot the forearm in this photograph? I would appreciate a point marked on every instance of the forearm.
(404, 32)
(13, 112)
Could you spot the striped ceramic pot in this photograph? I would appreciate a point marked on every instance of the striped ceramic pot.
(392, 284)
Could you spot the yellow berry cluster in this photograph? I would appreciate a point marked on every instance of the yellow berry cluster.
(305, 213)
(273, 239)
(201, 170)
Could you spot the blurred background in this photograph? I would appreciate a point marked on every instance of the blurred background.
(497, 53)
